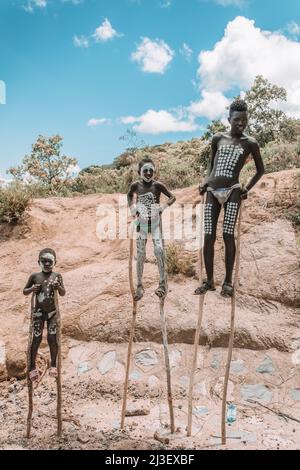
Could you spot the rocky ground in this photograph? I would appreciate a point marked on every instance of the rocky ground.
(96, 321)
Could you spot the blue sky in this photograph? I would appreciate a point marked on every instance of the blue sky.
(90, 69)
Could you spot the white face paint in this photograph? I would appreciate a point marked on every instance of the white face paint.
(48, 256)
(147, 166)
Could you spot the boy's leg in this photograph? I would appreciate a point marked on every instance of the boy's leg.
(211, 214)
(141, 242)
(38, 326)
(159, 253)
(52, 341)
(231, 209)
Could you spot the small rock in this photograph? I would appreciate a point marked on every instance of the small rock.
(257, 392)
(184, 380)
(215, 363)
(107, 362)
(135, 375)
(175, 358)
(266, 366)
(295, 394)
(146, 358)
(153, 381)
(82, 438)
(237, 366)
(200, 410)
(83, 367)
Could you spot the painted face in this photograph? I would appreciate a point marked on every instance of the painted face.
(47, 262)
(147, 172)
(238, 122)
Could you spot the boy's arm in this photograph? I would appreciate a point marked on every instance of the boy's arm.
(213, 151)
(255, 151)
(31, 286)
(130, 195)
(59, 285)
(170, 196)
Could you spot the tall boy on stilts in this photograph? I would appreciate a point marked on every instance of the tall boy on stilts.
(229, 152)
(148, 210)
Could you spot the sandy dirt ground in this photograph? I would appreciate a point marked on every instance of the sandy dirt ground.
(96, 313)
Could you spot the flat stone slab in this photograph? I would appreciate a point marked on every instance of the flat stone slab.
(107, 362)
(257, 392)
(135, 375)
(215, 363)
(295, 394)
(200, 410)
(83, 367)
(175, 358)
(146, 358)
(237, 366)
(266, 366)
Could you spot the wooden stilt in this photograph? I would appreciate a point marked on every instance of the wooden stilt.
(165, 342)
(232, 320)
(58, 379)
(167, 363)
(29, 382)
(198, 329)
(133, 321)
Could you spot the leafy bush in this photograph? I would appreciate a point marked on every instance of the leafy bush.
(179, 261)
(279, 156)
(14, 201)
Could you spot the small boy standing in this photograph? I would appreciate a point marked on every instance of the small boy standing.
(43, 285)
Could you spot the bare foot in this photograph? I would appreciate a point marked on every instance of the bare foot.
(53, 372)
(139, 293)
(161, 291)
(34, 375)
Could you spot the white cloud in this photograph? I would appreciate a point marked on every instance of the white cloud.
(165, 3)
(246, 51)
(4, 182)
(40, 3)
(226, 3)
(153, 56)
(32, 4)
(97, 122)
(128, 119)
(186, 51)
(75, 2)
(81, 41)
(73, 171)
(293, 28)
(159, 122)
(212, 105)
(105, 32)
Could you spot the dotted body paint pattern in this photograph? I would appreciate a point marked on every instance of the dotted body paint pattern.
(228, 156)
(231, 211)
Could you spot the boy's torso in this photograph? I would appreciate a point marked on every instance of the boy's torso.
(148, 198)
(229, 159)
(45, 297)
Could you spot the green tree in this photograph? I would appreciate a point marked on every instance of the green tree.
(265, 120)
(133, 146)
(46, 164)
(213, 128)
(289, 130)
